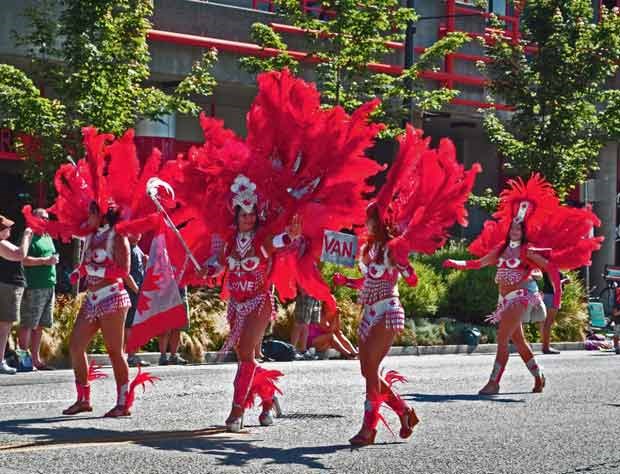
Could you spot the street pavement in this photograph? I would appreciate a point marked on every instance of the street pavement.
(177, 425)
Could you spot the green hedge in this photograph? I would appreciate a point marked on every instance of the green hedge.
(443, 304)
(467, 297)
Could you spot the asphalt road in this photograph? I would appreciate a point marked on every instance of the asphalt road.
(177, 425)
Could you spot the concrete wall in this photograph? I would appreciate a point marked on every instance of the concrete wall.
(605, 208)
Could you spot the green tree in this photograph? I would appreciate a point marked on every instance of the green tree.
(565, 107)
(92, 56)
(349, 37)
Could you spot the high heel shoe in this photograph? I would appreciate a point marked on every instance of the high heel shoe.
(491, 388)
(411, 421)
(234, 425)
(364, 440)
(265, 418)
(78, 407)
(539, 384)
(117, 411)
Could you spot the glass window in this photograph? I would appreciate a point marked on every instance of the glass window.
(497, 6)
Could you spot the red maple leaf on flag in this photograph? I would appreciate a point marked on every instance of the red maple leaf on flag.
(151, 280)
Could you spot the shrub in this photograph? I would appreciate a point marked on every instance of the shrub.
(572, 319)
(456, 249)
(350, 315)
(285, 318)
(471, 295)
(208, 326)
(422, 301)
(429, 333)
(407, 337)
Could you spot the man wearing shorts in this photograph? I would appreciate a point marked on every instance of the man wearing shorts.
(133, 283)
(37, 306)
(307, 310)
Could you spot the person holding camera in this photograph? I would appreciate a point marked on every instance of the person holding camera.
(12, 284)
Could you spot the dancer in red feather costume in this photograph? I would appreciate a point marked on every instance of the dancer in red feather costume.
(531, 230)
(93, 196)
(299, 163)
(424, 195)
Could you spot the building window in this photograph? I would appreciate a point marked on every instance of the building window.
(6, 142)
(498, 7)
(265, 5)
(610, 3)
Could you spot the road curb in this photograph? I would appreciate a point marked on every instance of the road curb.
(229, 357)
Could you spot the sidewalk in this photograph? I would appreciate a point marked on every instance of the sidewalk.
(211, 357)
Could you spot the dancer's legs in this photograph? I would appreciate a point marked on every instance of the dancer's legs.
(511, 319)
(81, 335)
(113, 327)
(546, 331)
(251, 334)
(372, 351)
(525, 351)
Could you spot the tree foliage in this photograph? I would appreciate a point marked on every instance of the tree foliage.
(345, 38)
(565, 106)
(92, 56)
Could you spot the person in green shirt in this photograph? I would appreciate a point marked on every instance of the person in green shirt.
(39, 296)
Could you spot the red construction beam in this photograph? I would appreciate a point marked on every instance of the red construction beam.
(6, 155)
(256, 50)
(226, 45)
(481, 105)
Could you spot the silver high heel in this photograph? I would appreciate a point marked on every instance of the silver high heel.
(265, 418)
(235, 426)
(276, 407)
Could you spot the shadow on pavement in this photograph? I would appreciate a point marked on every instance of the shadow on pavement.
(462, 397)
(228, 449)
(232, 451)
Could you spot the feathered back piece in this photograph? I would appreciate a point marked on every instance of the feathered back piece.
(424, 194)
(108, 174)
(298, 159)
(566, 231)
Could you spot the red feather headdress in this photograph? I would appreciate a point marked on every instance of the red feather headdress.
(298, 159)
(109, 174)
(424, 194)
(566, 231)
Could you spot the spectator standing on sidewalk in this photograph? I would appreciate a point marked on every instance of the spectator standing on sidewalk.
(552, 311)
(307, 310)
(12, 283)
(169, 341)
(133, 282)
(37, 309)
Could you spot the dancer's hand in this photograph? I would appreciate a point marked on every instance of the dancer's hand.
(339, 279)
(294, 229)
(412, 279)
(77, 274)
(208, 271)
(462, 264)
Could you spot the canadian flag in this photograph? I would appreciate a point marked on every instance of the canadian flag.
(160, 307)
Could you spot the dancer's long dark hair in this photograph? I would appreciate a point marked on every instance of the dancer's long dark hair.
(381, 235)
(507, 241)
